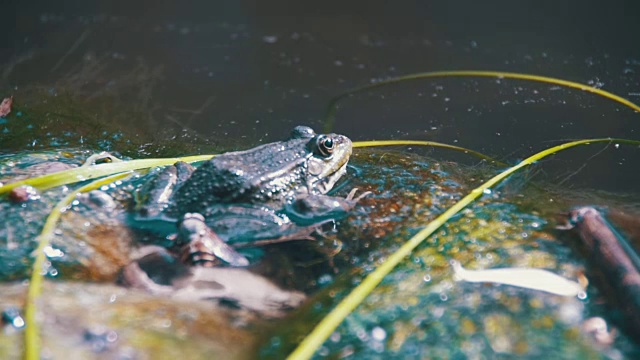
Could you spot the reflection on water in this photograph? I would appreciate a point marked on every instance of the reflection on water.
(140, 77)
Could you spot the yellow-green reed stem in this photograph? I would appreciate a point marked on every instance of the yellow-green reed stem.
(31, 334)
(375, 143)
(332, 107)
(96, 171)
(330, 322)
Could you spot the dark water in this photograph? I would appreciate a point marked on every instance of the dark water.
(251, 70)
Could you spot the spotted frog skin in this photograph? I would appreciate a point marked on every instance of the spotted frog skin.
(274, 192)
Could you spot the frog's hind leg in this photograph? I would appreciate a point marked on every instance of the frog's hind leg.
(199, 245)
(153, 198)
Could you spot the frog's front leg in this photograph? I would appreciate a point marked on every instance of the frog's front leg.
(314, 209)
(199, 245)
(154, 196)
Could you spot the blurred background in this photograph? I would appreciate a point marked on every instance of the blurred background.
(236, 73)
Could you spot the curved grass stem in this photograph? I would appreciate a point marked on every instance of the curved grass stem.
(375, 143)
(32, 331)
(333, 104)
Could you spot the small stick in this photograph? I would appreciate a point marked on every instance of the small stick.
(614, 258)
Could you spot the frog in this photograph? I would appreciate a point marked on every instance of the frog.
(272, 193)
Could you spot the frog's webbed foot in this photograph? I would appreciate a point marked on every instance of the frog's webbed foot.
(202, 246)
(293, 233)
(353, 192)
(317, 208)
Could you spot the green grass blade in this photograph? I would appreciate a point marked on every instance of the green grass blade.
(96, 171)
(329, 323)
(32, 331)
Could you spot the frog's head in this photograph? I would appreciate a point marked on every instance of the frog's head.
(327, 159)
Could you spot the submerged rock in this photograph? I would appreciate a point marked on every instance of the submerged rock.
(160, 273)
(87, 321)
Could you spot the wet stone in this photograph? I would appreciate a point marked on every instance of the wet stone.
(23, 193)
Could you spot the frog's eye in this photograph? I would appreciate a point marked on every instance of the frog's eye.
(325, 145)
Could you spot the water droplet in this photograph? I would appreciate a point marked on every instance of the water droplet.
(275, 341)
(18, 322)
(270, 39)
(378, 333)
(52, 253)
(325, 279)
(335, 337)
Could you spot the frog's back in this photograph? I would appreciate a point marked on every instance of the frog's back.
(271, 160)
(256, 175)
